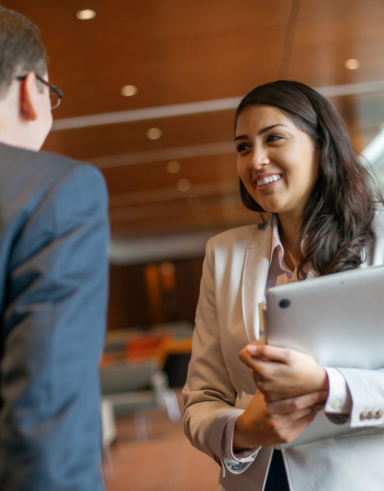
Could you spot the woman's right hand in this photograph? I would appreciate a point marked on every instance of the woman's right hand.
(275, 423)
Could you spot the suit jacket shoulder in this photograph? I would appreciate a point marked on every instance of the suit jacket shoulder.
(239, 237)
(18, 163)
(27, 177)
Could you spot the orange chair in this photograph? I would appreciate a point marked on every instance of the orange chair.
(145, 346)
(173, 357)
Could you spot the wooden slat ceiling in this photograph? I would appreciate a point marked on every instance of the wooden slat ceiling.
(184, 52)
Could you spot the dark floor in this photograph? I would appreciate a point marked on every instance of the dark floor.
(166, 462)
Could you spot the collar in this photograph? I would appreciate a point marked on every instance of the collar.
(276, 244)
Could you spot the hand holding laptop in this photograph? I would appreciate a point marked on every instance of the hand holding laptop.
(291, 388)
(337, 323)
(271, 424)
(282, 373)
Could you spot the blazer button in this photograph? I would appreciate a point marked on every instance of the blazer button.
(363, 415)
(379, 414)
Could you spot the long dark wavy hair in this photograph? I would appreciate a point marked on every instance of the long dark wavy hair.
(337, 223)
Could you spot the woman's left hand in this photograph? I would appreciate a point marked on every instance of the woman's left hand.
(282, 373)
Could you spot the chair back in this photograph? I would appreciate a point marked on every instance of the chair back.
(126, 377)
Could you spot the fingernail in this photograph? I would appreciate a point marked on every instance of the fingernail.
(252, 349)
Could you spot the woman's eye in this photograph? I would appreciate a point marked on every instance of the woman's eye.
(273, 138)
(241, 147)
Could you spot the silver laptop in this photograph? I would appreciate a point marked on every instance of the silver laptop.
(338, 319)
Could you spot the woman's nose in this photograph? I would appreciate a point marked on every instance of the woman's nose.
(259, 159)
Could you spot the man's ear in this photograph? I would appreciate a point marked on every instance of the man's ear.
(28, 101)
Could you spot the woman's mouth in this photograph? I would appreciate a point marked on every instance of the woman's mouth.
(268, 179)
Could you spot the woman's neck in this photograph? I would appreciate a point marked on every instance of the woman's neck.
(289, 231)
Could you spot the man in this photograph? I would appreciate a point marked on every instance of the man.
(53, 285)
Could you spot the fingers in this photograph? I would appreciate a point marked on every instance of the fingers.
(289, 426)
(296, 415)
(252, 374)
(299, 425)
(263, 372)
(294, 404)
(269, 353)
(257, 363)
(259, 370)
(281, 373)
(259, 426)
(245, 355)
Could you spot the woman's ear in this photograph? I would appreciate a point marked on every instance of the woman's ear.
(28, 97)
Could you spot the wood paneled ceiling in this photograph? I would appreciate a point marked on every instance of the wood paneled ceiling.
(178, 52)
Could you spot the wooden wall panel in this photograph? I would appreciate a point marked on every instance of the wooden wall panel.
(154, 176)
(130, 298)
(188, 277)
(115, 139)
(173, 51)
(330, 32)
(128, 301)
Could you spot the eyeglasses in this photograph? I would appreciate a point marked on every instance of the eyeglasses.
(55, 94)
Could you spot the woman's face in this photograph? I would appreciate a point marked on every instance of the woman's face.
(277, 162)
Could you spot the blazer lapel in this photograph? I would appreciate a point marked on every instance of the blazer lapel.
(254, 278)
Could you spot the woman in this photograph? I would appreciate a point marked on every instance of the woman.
(295, 161)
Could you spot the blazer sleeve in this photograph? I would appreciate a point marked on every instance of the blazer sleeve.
(367, 393)
(209, 395)
(53, 333)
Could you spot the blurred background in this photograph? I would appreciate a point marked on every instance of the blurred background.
(151, 88)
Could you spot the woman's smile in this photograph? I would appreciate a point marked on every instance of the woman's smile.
(267, 181)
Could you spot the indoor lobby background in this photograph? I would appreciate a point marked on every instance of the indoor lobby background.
(151, 88)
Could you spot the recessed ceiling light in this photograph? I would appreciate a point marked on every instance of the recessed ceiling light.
(173, 167)
(183, 185)
(154, 133)
(128, 90)
(352, 64)
(86, 14)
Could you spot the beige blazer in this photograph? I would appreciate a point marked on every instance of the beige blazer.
(219, 385)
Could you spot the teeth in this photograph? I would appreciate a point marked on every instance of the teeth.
(269, 179)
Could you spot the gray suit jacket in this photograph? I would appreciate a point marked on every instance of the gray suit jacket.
(53, 290)
(219, 385)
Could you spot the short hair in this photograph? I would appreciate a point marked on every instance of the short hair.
(337, 223)
(21, 50)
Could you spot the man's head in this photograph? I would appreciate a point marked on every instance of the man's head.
(20, 48)
(25, 112)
